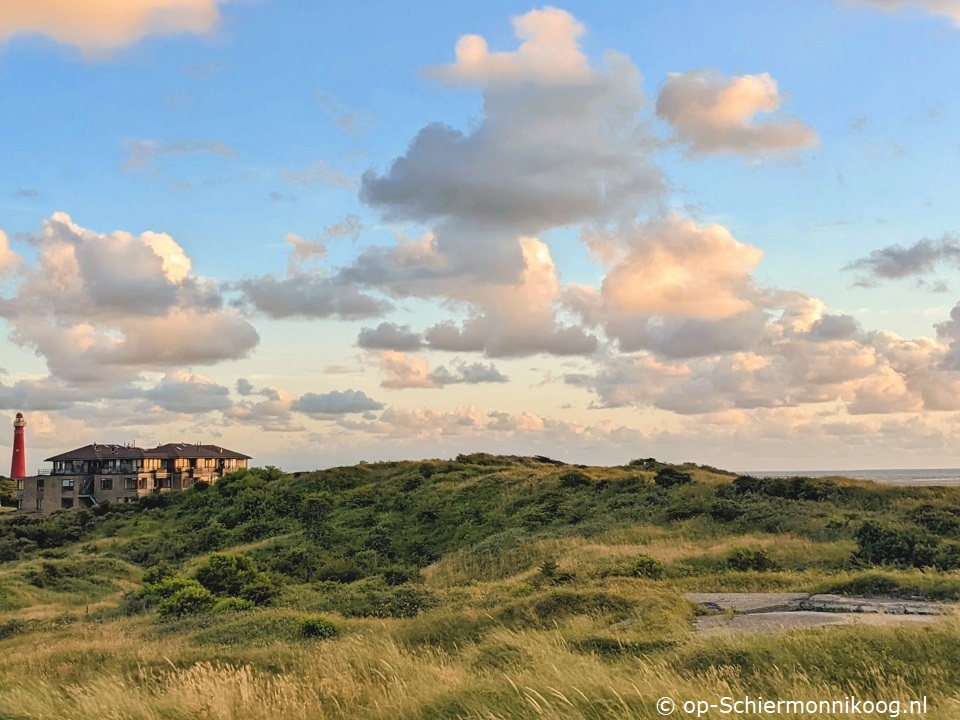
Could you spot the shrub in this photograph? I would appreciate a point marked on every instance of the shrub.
(260, 592)
(574, 479)
(232, 604)
(881, 544)
(743, 560)
(226, 574)
(647, 567)
(187, 601)
(671, 477)
(158, 573)
(316, 628)
(374, 599)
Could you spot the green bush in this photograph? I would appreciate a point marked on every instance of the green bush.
(883, 544)
(743, 559)
(158, 573)
(226, 574)
(190, 600)
(375, 599)
(667, 477)
(316, 628)
(574, 479)
(261, 591)
(647, 567)
(232, 604)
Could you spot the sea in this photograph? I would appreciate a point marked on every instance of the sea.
(919, 477)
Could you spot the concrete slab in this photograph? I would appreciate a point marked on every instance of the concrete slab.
(785, 621)
(748, 602)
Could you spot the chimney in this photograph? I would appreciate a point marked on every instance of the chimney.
(18, 465)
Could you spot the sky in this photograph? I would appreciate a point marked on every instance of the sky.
(326, 233)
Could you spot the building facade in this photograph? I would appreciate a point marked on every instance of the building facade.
(97, 473)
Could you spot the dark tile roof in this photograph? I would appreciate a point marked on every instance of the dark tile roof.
(100, 452)
(184, 450)
(128, 452)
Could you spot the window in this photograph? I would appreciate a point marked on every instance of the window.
(143, 483)
(20, 504)
(130, 484)
(40, 504)
(39, 483)
(66, 502)
(19, 484)
(106, 483)
(67, 486)
(164, 482)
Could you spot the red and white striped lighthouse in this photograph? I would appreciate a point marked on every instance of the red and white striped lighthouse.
(18, 466)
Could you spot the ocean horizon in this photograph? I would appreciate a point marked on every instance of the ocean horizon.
(887, 476)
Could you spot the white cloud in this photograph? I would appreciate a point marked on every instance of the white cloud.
(184, 392)
(8, 258)
(713, 114)
(106, 306)
(335, 402)
(99, 26)
(549, 54)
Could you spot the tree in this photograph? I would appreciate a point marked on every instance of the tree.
(8, 491)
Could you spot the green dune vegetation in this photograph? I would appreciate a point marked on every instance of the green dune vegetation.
(482, 587)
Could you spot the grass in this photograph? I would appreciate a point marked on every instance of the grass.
(483, 587)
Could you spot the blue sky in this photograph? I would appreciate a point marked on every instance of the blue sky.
(730, 241)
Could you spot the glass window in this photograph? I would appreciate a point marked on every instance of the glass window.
(66, 502)
(19, 484)
(143, 483)
(106, 483)
(39, 504)
(20, 504)
(39, 483)
(67, 486)
(131, 484)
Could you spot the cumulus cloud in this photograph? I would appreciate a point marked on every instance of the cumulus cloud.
(146, 154)
(389, 336)
(715, 114)
(272, 413)
(336, 402)
(90, 321)
(946, 8)
(309, 296)
(673, 267)
(8, 258)
(895, 262)
(99, 26)
(39, 394)
(673, 287)
(468, 373)
(555, 146)
(185, 392)
(549, 54)
(400, 371)
(515, 319)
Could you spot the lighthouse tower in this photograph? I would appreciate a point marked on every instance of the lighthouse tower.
(18, 466)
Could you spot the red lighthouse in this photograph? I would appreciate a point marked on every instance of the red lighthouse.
(18, 466)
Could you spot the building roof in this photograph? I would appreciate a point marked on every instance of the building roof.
(183, 450)
(169, 451)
